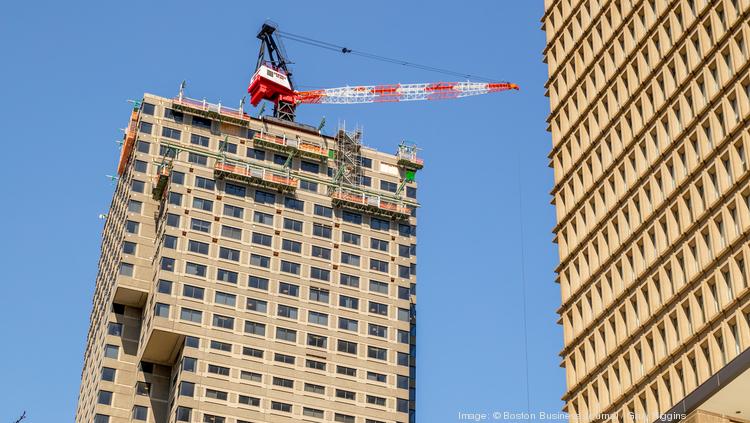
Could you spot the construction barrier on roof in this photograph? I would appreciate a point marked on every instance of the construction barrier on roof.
(210, 109)
(129, 142)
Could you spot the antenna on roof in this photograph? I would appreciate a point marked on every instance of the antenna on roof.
(182, 89)
(242, 106)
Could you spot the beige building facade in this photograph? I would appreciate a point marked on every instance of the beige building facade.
(252, 270)
(650, 112)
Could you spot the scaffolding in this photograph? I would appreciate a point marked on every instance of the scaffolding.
(285, 144)
(364, 202)
(407, 156)
(348, 162)
(128, 141)
(245, 173)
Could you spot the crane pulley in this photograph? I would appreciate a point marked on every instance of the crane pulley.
(272, 81)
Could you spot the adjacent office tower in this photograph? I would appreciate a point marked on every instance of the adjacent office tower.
(649, 121)
(252, 270)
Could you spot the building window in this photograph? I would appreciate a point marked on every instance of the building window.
(348, 324)
(285, 334)
(252, 352)
(126, 269)
(292, 225)
(411, 192)
(173, 220)
(137, 186)
(378, 244)
(134, 206)
(205, 183)
(320, 274)
(288, 289)
(203, 204)
(287, 311)
(290, 267)
(377, 330)
(379, 224)
(257, 282)
(322, 231)
(218, 370)
(140, 413)
(255, 328)
(143, 146)
(200, 225)
(350, 217)
(201, 122)
(189, 364)
(365, 162)
(323, 211)
(128, 247)
(224, 322)
(221, 346)
(379, 287)
(108, 374)
(187, 389)
(227, 276)
(161, 310)
(281, 406)
(348, 395)
(309, 166)
(291, 246)
(317, 318)
(308, 185)
(263, 218)
(199, 140)
(350, 238)
(147, 108)
(183, 414)
(225, 299)
(229, 254)
(145, 127)
(192, 292)
(388, 186)
(378, 265)
(191, 315)
(262, 239)
(231, 232)
(319, 295)
(101, 418)
(348, 302)
(198, 159)
(260, 261)
(175, 116)
(140, 166)
(404, 272)
(294, 204)
(167, 264)
(262, 197)
(174, 134)
(192, 342)
(377, 353)
(233, 211)
(349, 280)
(283, 358)
(256, 305)
(320, 252)
(197, 247)
(111, 351)
(235, 190)
(314, 364)
(251, 376)
(256, 154)
(246, 400)
(104, 398)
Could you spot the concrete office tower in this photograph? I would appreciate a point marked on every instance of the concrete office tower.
(649, 121)
(252, 271)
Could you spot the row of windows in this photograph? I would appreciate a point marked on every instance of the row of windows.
(184, 414)
(637, 108)
(663, 226)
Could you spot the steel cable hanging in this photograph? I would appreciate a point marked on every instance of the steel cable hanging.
(345, 50)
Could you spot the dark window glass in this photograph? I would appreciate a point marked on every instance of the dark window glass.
(294, 204)
(205, 183)
(147, 108)
(350, 217)
(201, 122)
(174, 134)
(263, 197)
(258, 283)
(226, 276)
(309, 166)
(388, 186)
(255, 153)
(174, 115)
(308, 186)
(199, 140)
(236, 190)
(292, 225)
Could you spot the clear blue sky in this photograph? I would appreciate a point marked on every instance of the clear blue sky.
(67, 69)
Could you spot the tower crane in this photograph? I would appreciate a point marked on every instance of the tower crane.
(272, 81)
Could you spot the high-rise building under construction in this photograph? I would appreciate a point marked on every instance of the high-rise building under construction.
(649, 122)
(252, 270)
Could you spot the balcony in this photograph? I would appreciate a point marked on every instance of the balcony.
(285, 145)
(255, 176)
(373, 204)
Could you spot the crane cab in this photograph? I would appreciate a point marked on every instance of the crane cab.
(269, 83)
